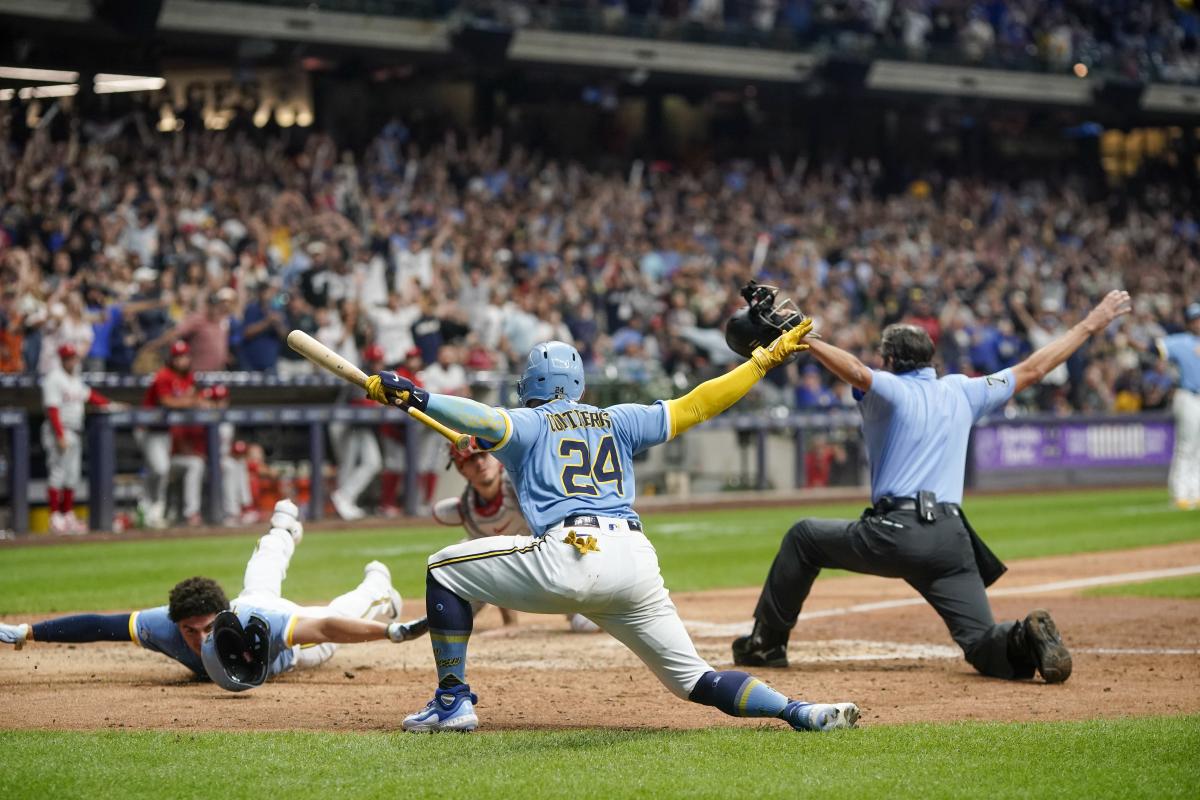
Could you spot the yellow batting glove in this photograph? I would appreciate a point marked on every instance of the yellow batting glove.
(375, 390)
(784, 346)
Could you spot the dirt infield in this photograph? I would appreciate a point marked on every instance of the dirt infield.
(1133, 656)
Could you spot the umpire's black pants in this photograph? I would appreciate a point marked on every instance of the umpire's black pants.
(935, 558)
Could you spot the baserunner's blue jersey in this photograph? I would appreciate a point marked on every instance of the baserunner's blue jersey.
(154, 630)
(572, 458)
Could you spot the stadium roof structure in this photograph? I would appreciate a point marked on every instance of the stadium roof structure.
(412, 28)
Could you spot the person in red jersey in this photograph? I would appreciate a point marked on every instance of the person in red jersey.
(174, 386)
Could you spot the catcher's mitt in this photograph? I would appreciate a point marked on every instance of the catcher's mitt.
(762, 321)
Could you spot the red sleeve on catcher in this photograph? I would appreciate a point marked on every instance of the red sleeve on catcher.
(55, 421)
(97, 399)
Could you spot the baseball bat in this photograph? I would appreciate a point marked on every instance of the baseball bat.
(330, 361)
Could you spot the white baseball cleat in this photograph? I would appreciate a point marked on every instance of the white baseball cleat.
(286, 506)
(820, 716)
(344, 508)
(16, 635)
(287, 517)
(395, 602)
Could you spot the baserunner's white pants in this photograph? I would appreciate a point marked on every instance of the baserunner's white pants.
(263, 587)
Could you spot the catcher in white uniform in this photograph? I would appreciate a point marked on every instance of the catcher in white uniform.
(572, 465)
(65, 397)
(488, 506)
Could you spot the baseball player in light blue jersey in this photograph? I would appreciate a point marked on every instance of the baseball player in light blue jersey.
(572, 464)
(291, 636)
(1183, 350)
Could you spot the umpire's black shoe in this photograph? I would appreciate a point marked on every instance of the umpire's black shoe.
(764, 647)
(1046, 647)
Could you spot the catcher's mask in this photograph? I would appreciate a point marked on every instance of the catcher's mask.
(236, 657)
(761, 322)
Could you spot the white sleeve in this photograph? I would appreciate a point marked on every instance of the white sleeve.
(448, 511)
(52, 391)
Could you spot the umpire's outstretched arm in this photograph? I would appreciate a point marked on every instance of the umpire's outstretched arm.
(1030, 371)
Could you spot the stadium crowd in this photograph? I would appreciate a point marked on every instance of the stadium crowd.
(1154, 40)
(466, 253)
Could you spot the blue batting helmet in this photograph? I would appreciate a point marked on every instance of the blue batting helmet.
(237, 657)
(554, 370)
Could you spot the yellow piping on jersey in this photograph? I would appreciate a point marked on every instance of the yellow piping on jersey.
(712, 397)
(291, 630)
(508, 428)
(133, 637)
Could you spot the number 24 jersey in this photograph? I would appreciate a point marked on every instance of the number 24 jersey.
(571, 458)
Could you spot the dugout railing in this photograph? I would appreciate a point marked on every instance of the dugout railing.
(1005, 453)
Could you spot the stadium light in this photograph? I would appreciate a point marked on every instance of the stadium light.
(27, 74)
(109, 84)
(32, 92)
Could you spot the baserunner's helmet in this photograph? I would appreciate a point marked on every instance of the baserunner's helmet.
(236, 657)
(554, 370)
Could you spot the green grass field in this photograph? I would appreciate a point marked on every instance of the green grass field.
(1109, 758)
(1152, 758)
(699, 550)
(1187, 587)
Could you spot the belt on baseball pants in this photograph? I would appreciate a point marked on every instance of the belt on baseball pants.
(888, 503)
(990, 567)
(591, 521)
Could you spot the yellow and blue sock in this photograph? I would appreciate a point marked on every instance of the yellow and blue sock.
(738, 694)
(450, 625)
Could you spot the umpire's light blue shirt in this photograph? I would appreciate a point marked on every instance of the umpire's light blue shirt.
(1184, 350)
(917, 426)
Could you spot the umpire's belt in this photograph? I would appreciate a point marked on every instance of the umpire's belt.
(888, 503)
(990, 567)
(592, 521)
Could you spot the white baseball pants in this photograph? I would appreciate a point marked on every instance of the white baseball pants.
(156, 453)
(235, 486)
(616, 584)
(263, 586)
(64, 467)
(359, 459)
(1184, 480)
(193, 481)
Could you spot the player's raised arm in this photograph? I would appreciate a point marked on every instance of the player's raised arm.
(1030, 371)
(714, 396)
(460, 413)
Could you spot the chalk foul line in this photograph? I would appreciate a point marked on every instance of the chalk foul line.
(703, 628)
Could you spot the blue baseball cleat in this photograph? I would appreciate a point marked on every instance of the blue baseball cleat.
(449, 710)
(820, 716)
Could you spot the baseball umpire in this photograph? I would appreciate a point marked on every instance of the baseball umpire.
(1183, 350)
(916, 428)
